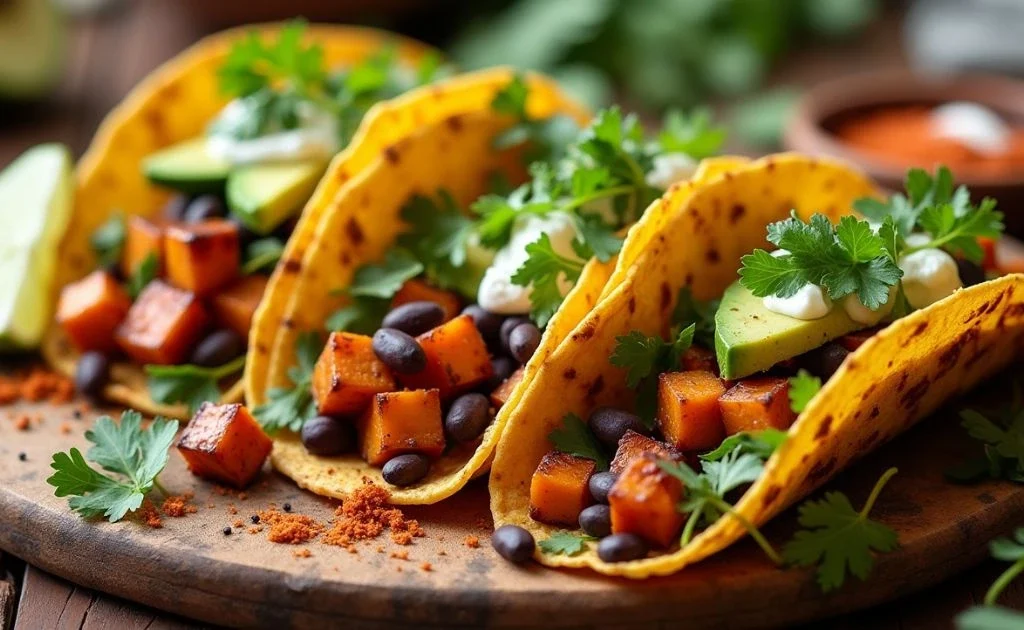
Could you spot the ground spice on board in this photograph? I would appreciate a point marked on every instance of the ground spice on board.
(36, 385)
(473, 542)
(290, 529)
(302, 553)
(366, 514)
(22, 423)
(178, 505)
(149, 515)
(426, 566)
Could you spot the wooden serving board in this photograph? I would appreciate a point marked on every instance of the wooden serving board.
(190, 568)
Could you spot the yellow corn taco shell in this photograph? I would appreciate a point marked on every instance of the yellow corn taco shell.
(449, 148)
(898, 377)
(173, 104)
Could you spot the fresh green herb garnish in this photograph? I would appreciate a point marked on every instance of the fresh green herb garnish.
(761, 443)
(839, 539)
(437, 237)
(252, 64)
(644, 358)
(547, 138)
(122, 448)
(290, 407)
(565, 543)
(575, 438)
(262, 254)
(1002, 434)
(802, 388)
(989, 616)
(362, 316)
(189, 384)
(701, 314)
(695, 135)
(371, 291)
(107, 241)
(142, 275)
(543, 270)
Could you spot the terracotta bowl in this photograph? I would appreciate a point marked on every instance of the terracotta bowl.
(810, 129)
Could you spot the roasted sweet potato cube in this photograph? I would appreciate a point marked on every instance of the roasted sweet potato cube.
(757, 403)
(418, 290)
(202, 257)
(457, 359)
(644, 502)
(91, 309)
(502, 393)
(633, 445)
(235, 304)
(559, 489)
(163, 325)
(688, 413)
(142, 239)
(698, 358)
(224, 443)
(348, 374)
(402, 422)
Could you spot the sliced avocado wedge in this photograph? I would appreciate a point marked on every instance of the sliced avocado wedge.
(263, 196)
(187, 167)
(749, 338)
(32, 43)
(35, 204)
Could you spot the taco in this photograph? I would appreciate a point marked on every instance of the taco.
(187, 193)
(443, 284)
(868, 315)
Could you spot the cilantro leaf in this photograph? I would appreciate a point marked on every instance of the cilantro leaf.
(1003, 437)
(763, 274)
(253, 64)
(142, 275)
(547, 137)
(839, 539)
(732, 471)
(385, 279)
(262, 254)
(574, 437)
(290, 407)
(511, 99)
(957, 229)
(761, 443)
(363, 316)
(643, 356)
(802, 388)
(689, 310)
(601, 240)
(990, 618)
(437, 235)
(107, 242)
(565, 543)
(542, 271)
(693, 135)
(189, 384)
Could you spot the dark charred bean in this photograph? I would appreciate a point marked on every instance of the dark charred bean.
(621, 548)
(523, 342)
(324, 435)
(502, 368)
(204, 208)
(600, 485)
(970, 273)
(488, 323)
(399, 351)
(467, 418)
(596, 520)
(174, 209)
(513, 543)
(405, 470)
(824, 360)
(218, 348)
(92, 374)
(507, 327)
(415, 318)
(609, 425)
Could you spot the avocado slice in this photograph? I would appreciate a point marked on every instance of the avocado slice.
(263, 196)
(749, 338)
(188, 167)
(35, 205)
(32, 42)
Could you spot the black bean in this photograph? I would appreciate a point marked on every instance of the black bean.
(218, 348)
(513, 543)
(174, 209)
(488, 323)
(324, 435)
(609, 425)
(523, 342)
(970, 273)
(502, 368)
(467, 418)
(600, 485)
(92, 374)
(405, 470)
(399, 351)
(204, 208)
(824, 360)
(596, 521)
(415, 318)
(506, 329)
(621, 548)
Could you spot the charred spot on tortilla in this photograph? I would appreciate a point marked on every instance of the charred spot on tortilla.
(391, 155)
(904, 375)
(738, 210)
(454, 123)
(632, 304)
(824, 429)
(666, 296)
(829, 185)
(868, 391)
(874, 411)
(917, 391)
(712, 255)
(595, 388)
(291, 266)
(586, 333)
(950, 356)
(354, 232)
(770, 495)
(822, 470)
(288, 323)
(569, 374)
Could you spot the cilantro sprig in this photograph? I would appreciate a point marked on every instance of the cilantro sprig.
(142, 275)
(546, 138)
(107, 241)
(262, 254)
(135, 455)
(1001, 434)
(802, 388)
(371, 291)
(575, 438)
(762, 443)
(290, 407)
(990, 615)
(644, 357)
(565, 543)
(189, 384)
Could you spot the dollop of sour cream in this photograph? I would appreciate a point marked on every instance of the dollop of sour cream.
(861, 314)
(809, 302)
(669, 168)
(928, 276)
(497, 293)
(315, 137)
(973, 125)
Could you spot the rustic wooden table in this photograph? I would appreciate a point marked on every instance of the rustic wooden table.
(106, 56)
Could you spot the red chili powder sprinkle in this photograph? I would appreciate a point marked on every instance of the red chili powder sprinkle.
(36, 385)
(426, 566)
(65, 428)
(290, 528)
(178, 505)
(22, 423)
(472, 542)
(366, 514)
(302, 553)
(400, 555)
(150, 515)
(238, 524)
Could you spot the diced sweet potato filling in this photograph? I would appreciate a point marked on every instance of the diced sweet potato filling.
(688, 412)
(202, 257)
(501, 394)
(91, 309)
(757, 403)
(418, 290)
(348, 374)
(224, 443)
(644, 502)
(457, 359)
(402, 422)
(162, 326)
(142, 239)
(698, 358)
(235, 304)
(633, 445)
(559, 489)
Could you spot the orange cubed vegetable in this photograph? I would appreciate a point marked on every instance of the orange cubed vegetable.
(688, 411)
(560, 489)
(224, 443)
(402, 422)
(457, 359)
(418, 290)
(162, 326)
(235, 304)
(90, 310)
(643, 502)
(698, 358)
(988, 256)
(502, 393)
(142, 239)
(348, 374)
(202, 257)
(757, 403)
(633, 445)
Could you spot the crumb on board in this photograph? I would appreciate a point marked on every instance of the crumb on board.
(178, 505)
(37, 384)
(290, 529)
(149, 515)
(426, 566)
(302, 553)
(473, 542)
